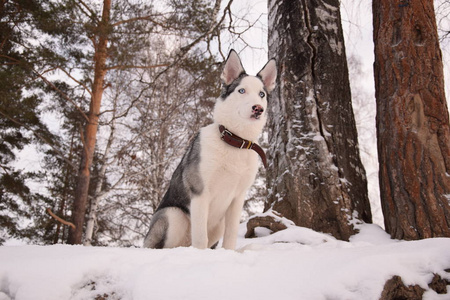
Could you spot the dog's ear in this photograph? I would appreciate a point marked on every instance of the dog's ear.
(268, 75)
(233, 68)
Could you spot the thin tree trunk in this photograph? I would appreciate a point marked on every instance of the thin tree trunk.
(412, 120)
(90, 134)
(316, 177)
(65, 195)
(98, 195)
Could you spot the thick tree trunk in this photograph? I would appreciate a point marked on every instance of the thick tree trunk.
(90, 134)
(316, 177)
(412, 120)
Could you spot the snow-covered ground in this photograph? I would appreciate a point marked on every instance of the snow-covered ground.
(296, 263)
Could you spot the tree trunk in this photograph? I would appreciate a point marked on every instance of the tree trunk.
(412, 120)
(90, 135)
(66, 192)
(98, 195)
(395, 289)
(316, 177)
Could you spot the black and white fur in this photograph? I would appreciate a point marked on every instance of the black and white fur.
(206, 193)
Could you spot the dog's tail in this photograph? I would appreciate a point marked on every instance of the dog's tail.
(169, 228)
(157, 233)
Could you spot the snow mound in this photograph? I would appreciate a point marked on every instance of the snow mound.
(296, 263)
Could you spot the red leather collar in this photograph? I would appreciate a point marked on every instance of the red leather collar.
(238, 142)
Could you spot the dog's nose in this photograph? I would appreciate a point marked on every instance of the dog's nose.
(257, 109)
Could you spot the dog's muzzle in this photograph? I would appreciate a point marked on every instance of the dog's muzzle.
(257, 111)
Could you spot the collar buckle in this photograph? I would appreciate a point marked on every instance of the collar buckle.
(225, 131)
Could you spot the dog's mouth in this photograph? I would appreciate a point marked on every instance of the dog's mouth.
(255, 116)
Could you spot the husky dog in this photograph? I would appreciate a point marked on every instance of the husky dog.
(206, 193)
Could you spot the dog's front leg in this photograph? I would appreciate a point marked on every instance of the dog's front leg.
(199, 222)
(232, 218)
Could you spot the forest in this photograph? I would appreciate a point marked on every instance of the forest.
(99, 100)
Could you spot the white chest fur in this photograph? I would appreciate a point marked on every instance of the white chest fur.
(227, 172)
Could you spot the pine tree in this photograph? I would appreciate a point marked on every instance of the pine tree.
(412, 120)
(20, 122)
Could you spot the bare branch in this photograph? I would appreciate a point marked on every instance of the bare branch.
(123, 67)
(214, 28)
(146, 18)
(63, 95)
(88, 9)
(136, 99)
(80, 83)
(49, 211)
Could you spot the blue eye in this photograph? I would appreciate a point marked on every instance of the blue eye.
(262, 94)
(241, 91)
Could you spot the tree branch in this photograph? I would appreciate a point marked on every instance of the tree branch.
(50, 84)
(49, 211)
(80, 83)
(39, 136)
(184, 50)
(146, 18)
(63, 95)
(123, 67)
(88, 9)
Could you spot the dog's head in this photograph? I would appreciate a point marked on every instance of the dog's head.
(242, 105)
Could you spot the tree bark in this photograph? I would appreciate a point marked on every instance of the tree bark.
(90, 134)
(412, 120)
(395, 289)
(92, 216)
(268, 222)
(316, 177)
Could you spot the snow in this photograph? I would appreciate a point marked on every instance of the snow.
(296, 263)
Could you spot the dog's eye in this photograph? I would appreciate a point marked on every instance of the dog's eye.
(262, 94)
(241, 91)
